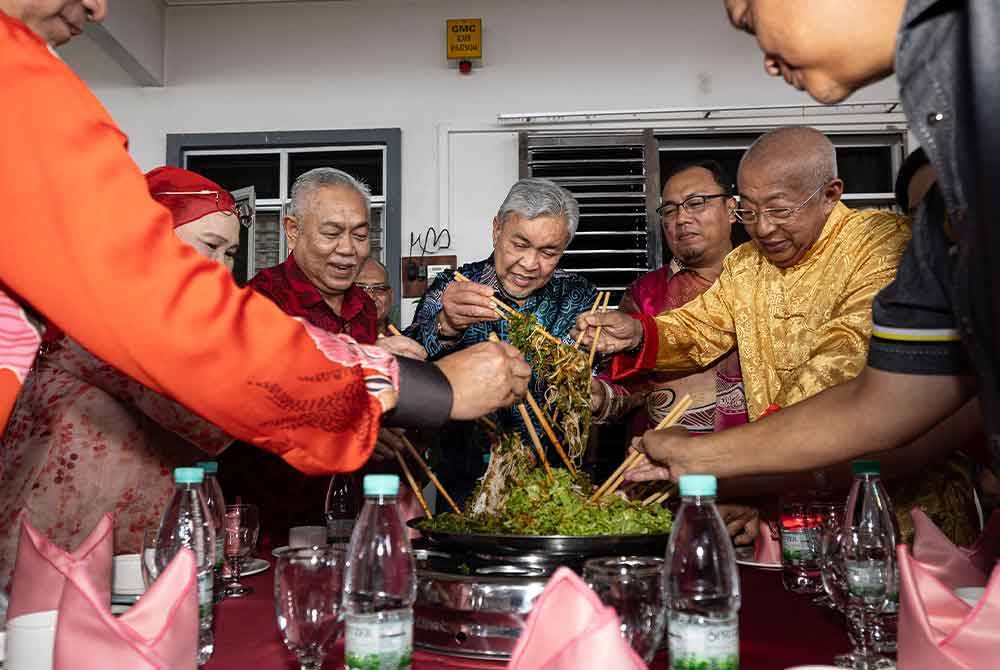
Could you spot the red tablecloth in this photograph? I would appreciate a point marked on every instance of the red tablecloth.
(778, 630)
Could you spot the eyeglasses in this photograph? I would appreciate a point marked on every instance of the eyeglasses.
(692, 205)
(373, 289)
(778, 216)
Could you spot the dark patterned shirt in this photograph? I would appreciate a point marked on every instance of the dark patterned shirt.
(555, 306)
(292, 291)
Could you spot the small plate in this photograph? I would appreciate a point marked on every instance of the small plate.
(253, 566)
(278, 551)
(755, 564)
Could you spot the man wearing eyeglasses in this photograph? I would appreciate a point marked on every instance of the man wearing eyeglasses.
(796, 301)
(373, 279)
(697, 219)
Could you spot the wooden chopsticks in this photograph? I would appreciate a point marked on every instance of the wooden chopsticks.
(615, 480)
(547, 427)
(501, 307)
(430, 474)
(597, 335)
(531, 428)
(413, 484)
(593, 309)
(395, 331)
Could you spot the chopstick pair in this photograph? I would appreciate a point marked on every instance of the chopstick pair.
(616, 478)
(505, 311)
(601, 301)
(427, 471)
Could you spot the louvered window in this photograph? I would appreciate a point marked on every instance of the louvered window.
(615, 179)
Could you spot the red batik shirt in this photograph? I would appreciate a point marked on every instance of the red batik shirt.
(292, 291)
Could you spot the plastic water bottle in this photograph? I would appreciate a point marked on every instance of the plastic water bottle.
(380, 583)
(701, 584)
(187, 524)
(869, 507)
(341, 508)
(217, 510)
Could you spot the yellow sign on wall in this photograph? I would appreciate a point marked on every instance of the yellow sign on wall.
(465, 39)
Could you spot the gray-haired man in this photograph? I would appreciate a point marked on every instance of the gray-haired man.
(531, 231)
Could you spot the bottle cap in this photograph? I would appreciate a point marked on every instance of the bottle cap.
(189, 475)
(698, 485)
(865, 467)
(210, 467)
(381, 485)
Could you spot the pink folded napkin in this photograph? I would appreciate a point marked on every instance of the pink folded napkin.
(937, 629)
(159, 632)
(569, 628)
(41, 568)
(955, 566)
(767, 547)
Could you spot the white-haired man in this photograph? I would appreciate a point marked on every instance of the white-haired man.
(531, 231)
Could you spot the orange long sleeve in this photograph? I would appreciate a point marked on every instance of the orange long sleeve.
(85, 246)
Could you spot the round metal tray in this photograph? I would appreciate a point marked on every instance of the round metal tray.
(579, 546)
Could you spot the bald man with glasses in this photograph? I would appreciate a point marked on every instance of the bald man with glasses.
(795, 301)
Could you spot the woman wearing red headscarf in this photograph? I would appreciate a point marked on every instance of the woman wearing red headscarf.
(85, 439)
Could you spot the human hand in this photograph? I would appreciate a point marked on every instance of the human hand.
(463, 304)
(484, 378)
(388, 444)
(620, 331)
(669, 455)
(598, 396)
(400, 345)
(742, 522)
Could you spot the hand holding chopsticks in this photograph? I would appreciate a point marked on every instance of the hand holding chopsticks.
(616, 478)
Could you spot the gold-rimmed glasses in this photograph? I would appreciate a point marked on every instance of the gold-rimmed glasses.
(777, 216)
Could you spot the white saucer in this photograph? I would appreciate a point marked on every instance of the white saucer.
(253, 566)
(755, 564)
(278, 551)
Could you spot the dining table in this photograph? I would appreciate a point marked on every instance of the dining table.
(778, 629)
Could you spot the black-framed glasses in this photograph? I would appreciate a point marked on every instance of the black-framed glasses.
(373, 289)
(692, 205)
(778, 216)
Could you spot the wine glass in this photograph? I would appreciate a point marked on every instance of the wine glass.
(827, 517)
(308, 586)
(633, 586)
(242, 524)
(857, 568)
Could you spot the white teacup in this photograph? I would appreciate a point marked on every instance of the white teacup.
(970, 594)
(30, 641)
(307, 536)
(126, 575)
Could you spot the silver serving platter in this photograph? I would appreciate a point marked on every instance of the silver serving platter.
(576, 546)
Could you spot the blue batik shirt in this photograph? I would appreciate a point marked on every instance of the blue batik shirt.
(555, 306)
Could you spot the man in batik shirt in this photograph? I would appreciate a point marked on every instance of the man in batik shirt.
(697, 219)
(535, 224)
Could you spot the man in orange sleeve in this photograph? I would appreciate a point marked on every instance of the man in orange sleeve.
(125, 288)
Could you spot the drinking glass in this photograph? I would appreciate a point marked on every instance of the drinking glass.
(827, 518)
(242, 524)
(857, 570)
(633, 586)
(308, 586)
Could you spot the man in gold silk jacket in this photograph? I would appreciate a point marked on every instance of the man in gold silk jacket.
(796, 301)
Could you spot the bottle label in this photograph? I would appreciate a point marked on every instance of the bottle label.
(339, 530)
(697, 643)
(205, 580)
(373, 643)
(797, 546)
(866, 579)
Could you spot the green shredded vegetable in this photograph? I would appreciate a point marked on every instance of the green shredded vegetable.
(566, 372)
(536, 506)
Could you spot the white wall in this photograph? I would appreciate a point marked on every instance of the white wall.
(379, 63)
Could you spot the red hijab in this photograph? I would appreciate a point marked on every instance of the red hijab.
(187, 195)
